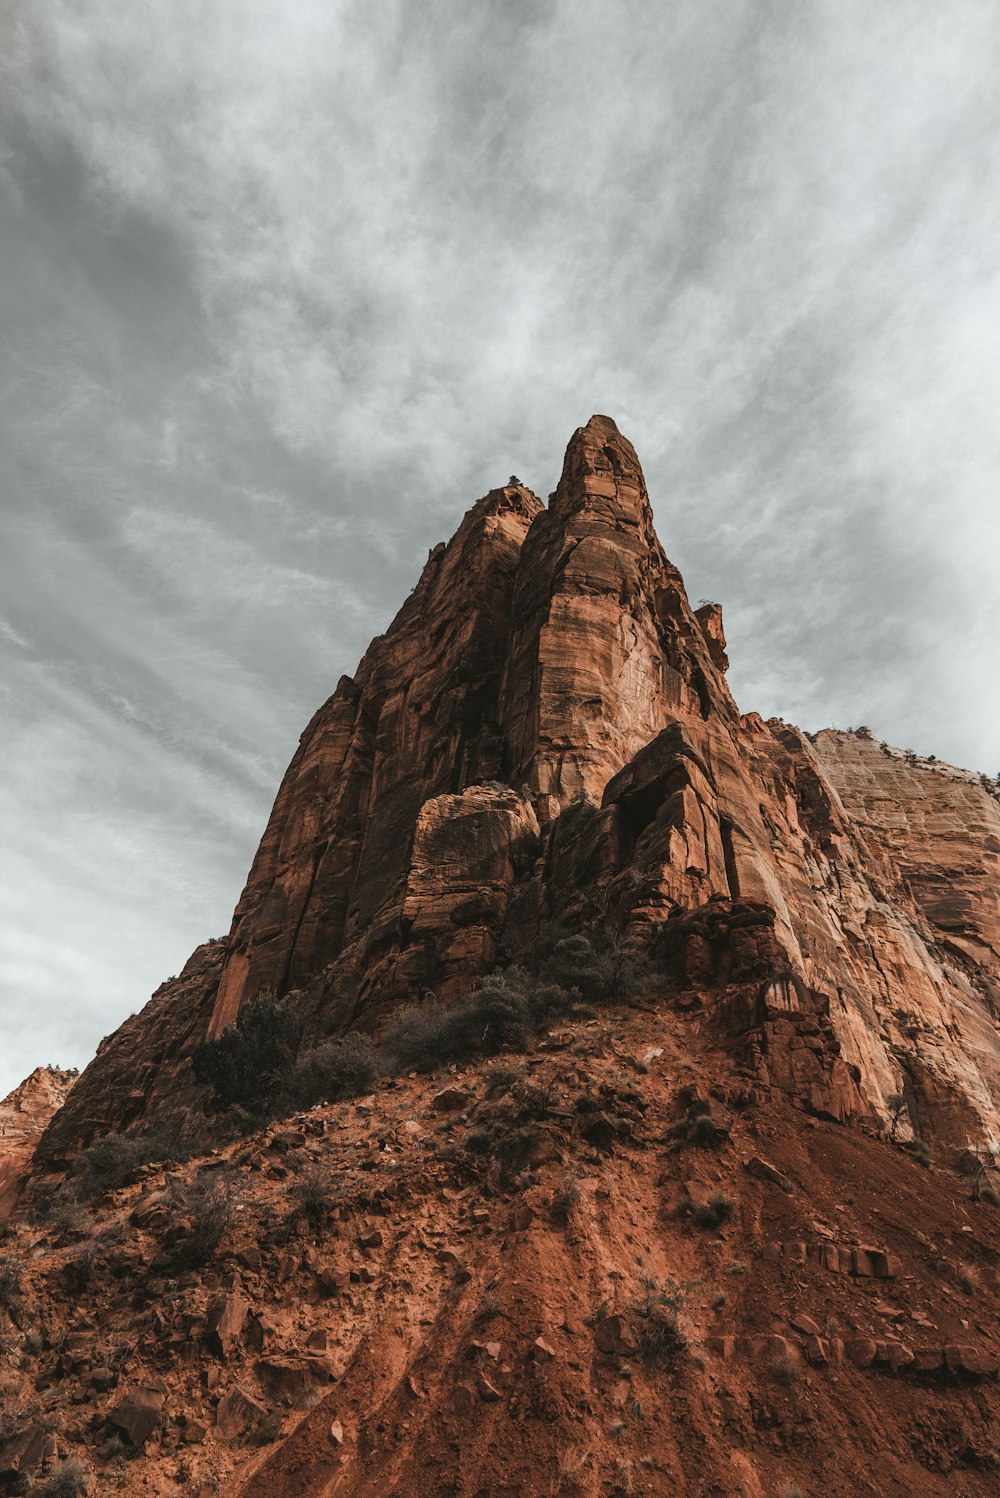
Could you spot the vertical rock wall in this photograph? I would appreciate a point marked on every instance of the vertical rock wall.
(544, 739)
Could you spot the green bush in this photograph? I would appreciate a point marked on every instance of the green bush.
(573, 963)
(249, 1063)
(113, 1159)
(110, 1161)
(334, 1069)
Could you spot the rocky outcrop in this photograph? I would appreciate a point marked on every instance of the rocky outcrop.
(24, 1115)
(544, 742)
(418, 720)
(924, 899)
(146, 1058)
(605, 649)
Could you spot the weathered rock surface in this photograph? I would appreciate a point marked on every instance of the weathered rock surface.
(544, 739)
(24, 1115)
(145, 1058)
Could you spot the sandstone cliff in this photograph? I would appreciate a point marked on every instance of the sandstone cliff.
(732, 1227)
(24, 1116)
(544, 741)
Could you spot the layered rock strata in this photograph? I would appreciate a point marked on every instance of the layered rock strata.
(24, 1116)
(543, 741)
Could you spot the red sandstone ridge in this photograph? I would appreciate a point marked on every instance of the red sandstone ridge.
(24, 1116)
(543, 741)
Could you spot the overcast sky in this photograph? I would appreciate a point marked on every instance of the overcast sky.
(286, 287)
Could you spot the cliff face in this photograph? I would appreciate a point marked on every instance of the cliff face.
(544, 741)
(677, 1245)
(24, 1115)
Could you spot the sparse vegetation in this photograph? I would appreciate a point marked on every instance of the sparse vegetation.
(983, 1170)
(921, 1151)
(268, 1430)
(501, 1076)
(513, 1149)
(574, 1460)
(488, 1310)
(896, 1104)
(204, 1212)
(502, 1012)
(65, 1216)
(78, 1270)
(335, 1069)
(704, 1131)
(969, 1279)
(32, 1341)
(662, 1342)
(69, 1480)
(717, 1210)
(910, 1023)
(113, 1159)
(624, 1479)
(564, 1203)
(248, 1065)
(315, 1196)
(572, 963)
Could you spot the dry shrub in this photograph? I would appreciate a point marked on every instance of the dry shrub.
(207, 1207)
(564, 1203)
(315, 1195)
(717, 1210)
(69, 1480)
(662, 1342)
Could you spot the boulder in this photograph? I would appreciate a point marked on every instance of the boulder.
(224, 1323)
(237, 1413)
(451, 1100)
(616, 1335)
(138, 1415)
(291, 1378)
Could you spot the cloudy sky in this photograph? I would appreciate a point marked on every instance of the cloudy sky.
(285, 287)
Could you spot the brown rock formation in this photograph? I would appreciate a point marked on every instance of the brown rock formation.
(24, 1115)
(544, 739)
(489, 1283)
